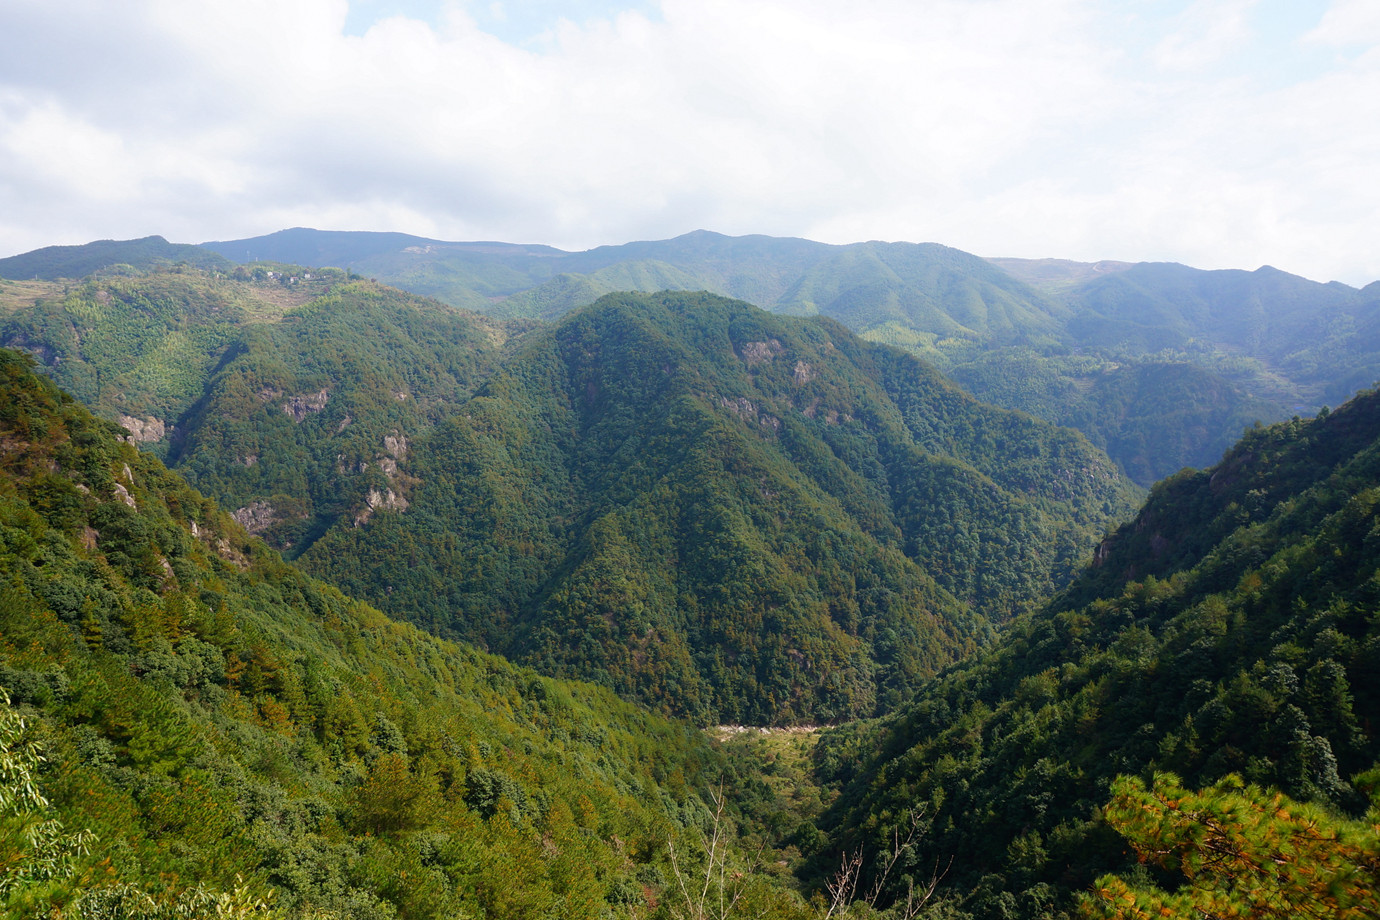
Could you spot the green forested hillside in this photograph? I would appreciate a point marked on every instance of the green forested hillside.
(1164, 366)
(1263, 345)
(1284, 338)
(143, 346)
(567, 292)
(291, 395)
(223, 724)
(1229, 629)
(1165, 305)
(1153, 416)
(76, 262)
(727, 514)
(305, 423)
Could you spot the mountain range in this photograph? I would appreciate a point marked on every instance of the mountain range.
(1039, 702)
(338, 428)
(1261, 345)
(1102, 347)
(759, 518)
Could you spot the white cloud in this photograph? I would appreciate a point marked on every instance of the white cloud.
(1204, 33)
(1349, 22)
(1024, 127)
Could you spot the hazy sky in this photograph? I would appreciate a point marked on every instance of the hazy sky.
(1220, 134)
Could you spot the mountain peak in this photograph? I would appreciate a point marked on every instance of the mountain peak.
(73, 262)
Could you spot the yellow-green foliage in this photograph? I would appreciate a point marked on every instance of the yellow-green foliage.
(1236, 850)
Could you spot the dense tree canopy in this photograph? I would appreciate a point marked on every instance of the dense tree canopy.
(192, 719)
(731, 515)
(716, 512)
(1229, 629)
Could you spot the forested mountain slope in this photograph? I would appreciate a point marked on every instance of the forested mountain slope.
(289, 394)
(1284, 338)
(112, 256)
(1163, 304)
(303, 425)
(1164, 366)
(1264, 344)
(1154, 416)
(1230, 628)
(729, 514)
(927, 288)
(223, 723)
(143, 346)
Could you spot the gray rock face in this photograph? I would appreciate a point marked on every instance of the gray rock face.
(299, 407)
(143, 430)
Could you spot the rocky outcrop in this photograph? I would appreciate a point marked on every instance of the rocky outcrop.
(758, 352)
(299, 407)
(256, 517)
(143, 430)
(387, 500)
(396, 445)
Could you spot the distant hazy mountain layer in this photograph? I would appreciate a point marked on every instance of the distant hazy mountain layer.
(1108, 343)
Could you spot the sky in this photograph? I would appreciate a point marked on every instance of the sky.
(1225, 134)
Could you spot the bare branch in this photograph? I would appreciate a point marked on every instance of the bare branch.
(717, 895)
(843, 887)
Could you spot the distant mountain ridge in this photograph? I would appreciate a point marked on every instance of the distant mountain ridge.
(1056, 272)
(784, 275)
(342, 248)
(1264, 344)
(76, 262)
(1109, 347)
